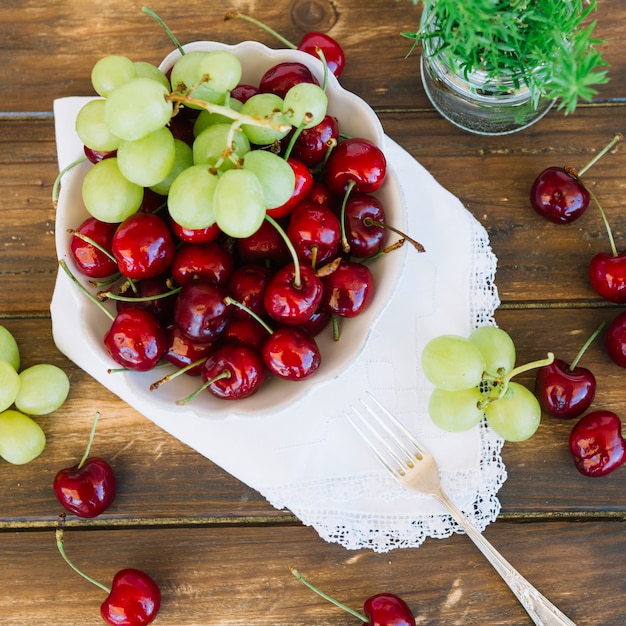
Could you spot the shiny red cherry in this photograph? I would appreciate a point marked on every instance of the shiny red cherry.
(263, 246)
(291, 353)
(247, 332)
(364, 238)
(558, 195)
(597, 445)
(247, 286)
(315, 232)
(143, 246)
(135, 340)
(243, 92)
(313, 144)
(332, 53)
(280, 78)
(89, 258)
(134, 599)
(348, 290)
(357, 163)
(387, 609)
(209, 261)
(607, 273)
(301, 191)
(150, 294)
(615, 339)
(199, 235)
(182, 351)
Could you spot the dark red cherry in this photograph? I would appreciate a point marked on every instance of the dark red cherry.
(182, 351)
(152, 202)
(320, 194)
(247, 332)
(317, 322)
(134, 599)
(607, 274)
(291, 353)
(210, 261)
(597, 445)
(315, 232)
(332, 52)
(558, 195)
(89, 259)
(291, 303)
(387, 609)
(136, 340)
(200, 235)
(95, 156)
(280, 78)
(233, 372)
(143, 246)
(364, 237)
(244, 92)
(265, 245)
(247, 286)
(356, 163)
(86, 489)
(615, 339)
(349, 289)
(313, 144)
(200, 311)
(302, 189)
(150, 296)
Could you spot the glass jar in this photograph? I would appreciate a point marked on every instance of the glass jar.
(475, 104)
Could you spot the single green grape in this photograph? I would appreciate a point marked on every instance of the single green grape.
(516, 416)
(110, 72)
(497, 348)
(137, 108)
(452, 362)
(275, 175)
(21, 438)
(264, 106)
(456, 411)
(9, 350)
(92, 130)
(209, 146)
(191, 197)
(305, 105)
(9, 385)
(149, 70)
(43, 389)
(183, 158)
(147, 161)
(239, 203)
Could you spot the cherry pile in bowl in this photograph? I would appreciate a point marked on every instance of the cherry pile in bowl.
(231, 230)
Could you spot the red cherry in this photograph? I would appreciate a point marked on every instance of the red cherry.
(348, 290)
(86, 489)
(315, 232)
(364, 238)
(607, 273)
(313, 144)
(266, 245)
(143, 246)
(597, 445)
(209, 261)
(134, 599)
(291, 353)
(135, 340)
(332, 52)
(95, 156)
(615, 340)
(89, 259)
(155, 302)
(200, 311)
(355, 163)
(247, 332)
(244, 92)
(558, 195)
(302, 189)
(182, 351)
(247, 286)
(387, 609)
(200, 235)
(280, 78)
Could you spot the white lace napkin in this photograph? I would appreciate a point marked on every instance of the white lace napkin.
(307, 458)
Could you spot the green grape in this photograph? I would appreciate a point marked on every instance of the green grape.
(456, 411)
(149, 70)
(21, 438)
(9, 385)
(43, 389)
(207, 118)
(452, 362)
(516, 416)
(108, 195)
(220, 70)
(210, 144)
(147, 161)
(239, 203)
(183, 158)
(92, 130)
(265, 106)
(275, 175)
(496, 347)
(110, 72)
(191, 197)
(9, 350)
(137, 108)
(305, 102)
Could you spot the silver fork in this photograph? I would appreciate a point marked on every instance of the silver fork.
(415, 468)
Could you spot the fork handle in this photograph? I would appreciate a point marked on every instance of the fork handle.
(540, 609)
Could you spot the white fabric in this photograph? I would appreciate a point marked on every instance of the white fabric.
(307, 458)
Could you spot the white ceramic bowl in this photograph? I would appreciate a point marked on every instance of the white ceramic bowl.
(79, 326)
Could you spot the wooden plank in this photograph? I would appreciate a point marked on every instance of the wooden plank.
(241, 575)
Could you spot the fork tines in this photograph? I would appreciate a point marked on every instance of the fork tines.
(396, 448)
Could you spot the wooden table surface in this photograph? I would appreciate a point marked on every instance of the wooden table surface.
(219, 551)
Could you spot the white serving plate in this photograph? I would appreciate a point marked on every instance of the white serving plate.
(79, 326)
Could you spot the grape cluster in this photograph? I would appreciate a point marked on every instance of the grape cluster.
(36, 390)
(472, 378)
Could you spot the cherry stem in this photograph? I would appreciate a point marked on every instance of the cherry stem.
(177, 373)
(109, 295)
(235, 14)
(319, 592)
(585, 346)
(86, 291)
(91, 437)
(57, 181)
(368, 221)
(606, 223)
(345, 244)
(170, 34)
(61, 548)
(228, 300)
(609, 146)
(297, 280)
(191, 396)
